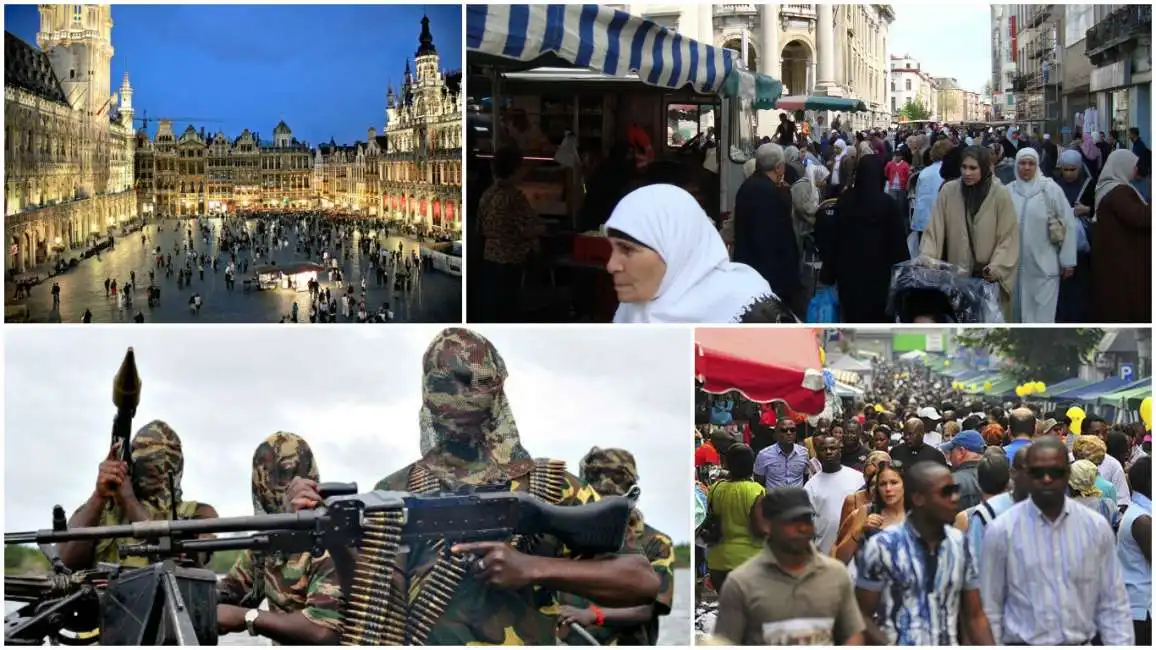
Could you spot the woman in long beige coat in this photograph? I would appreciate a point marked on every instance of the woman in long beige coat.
(978, 199)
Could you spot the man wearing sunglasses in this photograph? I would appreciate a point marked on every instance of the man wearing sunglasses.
(922, 570)
(1061, 557)
(759, 604)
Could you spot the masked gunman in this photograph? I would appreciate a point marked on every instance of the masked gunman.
(303, 591)
(488, 593)
(151, 493)
(608, 472)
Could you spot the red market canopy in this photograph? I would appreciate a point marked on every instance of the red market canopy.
(762, 365)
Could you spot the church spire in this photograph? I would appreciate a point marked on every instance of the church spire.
(426, 39)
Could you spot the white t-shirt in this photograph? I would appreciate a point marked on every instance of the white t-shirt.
(827, 492)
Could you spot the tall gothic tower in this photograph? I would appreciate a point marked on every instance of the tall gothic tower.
(78, 41)
(427, 88)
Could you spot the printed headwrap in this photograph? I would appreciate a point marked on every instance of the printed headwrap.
(609, 471)
(277, 461)
(468, 434)
(1083, 479)
(158, 464)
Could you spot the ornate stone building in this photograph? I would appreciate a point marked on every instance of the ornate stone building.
(198, 173)
(837, 50)
(420, 166)
(68, 145)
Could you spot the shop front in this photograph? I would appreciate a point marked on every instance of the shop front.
(1123, 97)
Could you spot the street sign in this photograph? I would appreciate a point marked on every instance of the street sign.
(1127, 371)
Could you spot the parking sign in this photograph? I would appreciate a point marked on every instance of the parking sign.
(1127, 371)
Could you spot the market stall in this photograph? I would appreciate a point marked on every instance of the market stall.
(762, 365)
(295, 275)
(568, 82)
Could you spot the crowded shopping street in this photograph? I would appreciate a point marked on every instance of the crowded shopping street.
(923, 488)
(265, 267)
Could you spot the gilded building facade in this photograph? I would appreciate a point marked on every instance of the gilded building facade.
(196, 173)
(68, 145)
(420, 164)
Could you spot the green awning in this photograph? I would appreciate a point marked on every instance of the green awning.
(1067, 384)
(1123, 398)
(974, 386)
(819, 103)
(1000, 385)
(763, 91)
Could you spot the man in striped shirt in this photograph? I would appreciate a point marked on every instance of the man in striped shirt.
(1050, 574)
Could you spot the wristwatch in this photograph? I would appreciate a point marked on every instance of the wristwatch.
(250, 619)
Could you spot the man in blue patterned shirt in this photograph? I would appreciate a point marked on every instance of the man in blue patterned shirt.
(922, 570)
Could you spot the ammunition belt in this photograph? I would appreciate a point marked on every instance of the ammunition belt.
(378, 613)
(365, 620)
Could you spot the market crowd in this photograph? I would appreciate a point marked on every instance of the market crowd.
(922, 517)
(1049, 231)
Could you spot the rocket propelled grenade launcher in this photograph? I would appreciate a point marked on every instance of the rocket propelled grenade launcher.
(125, 397)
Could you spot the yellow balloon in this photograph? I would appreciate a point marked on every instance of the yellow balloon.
(1146, 412)
(1041, 387)
(987, 385)
(878, 408)
(1076, 415)
(1019, 391)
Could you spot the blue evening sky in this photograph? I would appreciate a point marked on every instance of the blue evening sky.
(324, 69)
(948, 40)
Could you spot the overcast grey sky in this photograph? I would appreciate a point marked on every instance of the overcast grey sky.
(354, 396)
(948, 40)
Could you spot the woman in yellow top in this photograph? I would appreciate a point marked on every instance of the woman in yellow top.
(731, 500)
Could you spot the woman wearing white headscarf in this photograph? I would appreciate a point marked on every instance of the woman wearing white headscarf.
(840, 151)
(670, 265)
(1047, 241)
(1121, 245)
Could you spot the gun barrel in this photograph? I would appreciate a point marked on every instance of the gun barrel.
(126, 384)
(302, 520)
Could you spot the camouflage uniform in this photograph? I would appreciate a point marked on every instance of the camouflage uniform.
(469, 438)
(301, 582)
(613, 471)
(156, 456)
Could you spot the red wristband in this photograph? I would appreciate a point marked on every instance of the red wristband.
(599, 616)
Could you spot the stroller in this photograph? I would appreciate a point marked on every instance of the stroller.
(925, 290)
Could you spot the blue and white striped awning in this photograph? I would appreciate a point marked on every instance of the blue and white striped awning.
(610, 41)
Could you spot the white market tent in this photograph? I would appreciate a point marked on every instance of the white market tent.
(849, 363)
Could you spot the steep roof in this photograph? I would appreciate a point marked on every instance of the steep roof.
(281, 127)
(425, 41)
(29, 69)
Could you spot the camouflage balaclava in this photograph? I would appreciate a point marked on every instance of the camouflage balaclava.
(157, 456)
(468, 434)
(609, 471)
(278, 460)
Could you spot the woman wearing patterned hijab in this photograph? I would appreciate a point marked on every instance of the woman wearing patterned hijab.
(1082, 486)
